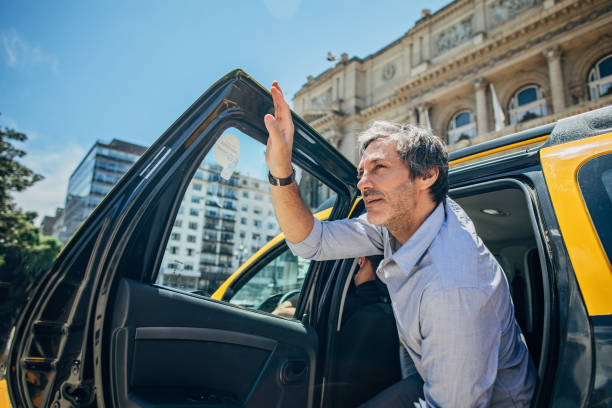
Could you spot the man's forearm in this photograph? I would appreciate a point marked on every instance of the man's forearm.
(292, 214)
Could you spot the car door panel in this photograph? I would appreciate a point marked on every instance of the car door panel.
(101, 331)
(174, 348)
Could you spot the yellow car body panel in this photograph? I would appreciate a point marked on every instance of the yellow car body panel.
(4, 398)
(593, 271)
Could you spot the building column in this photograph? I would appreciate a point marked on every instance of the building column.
(424, 120)
(557, 88)
(482, 118)
(412, 117)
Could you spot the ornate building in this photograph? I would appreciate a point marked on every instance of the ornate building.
(473, 71)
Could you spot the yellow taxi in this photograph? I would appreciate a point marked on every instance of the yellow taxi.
(142, 308)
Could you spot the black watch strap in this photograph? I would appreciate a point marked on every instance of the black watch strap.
(275, 181)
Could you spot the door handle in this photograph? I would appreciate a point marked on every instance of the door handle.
(293, 371)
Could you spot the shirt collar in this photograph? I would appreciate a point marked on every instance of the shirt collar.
(412, 250)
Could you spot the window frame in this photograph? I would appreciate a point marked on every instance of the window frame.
(515, 110)
(454, 132)
(594, 86)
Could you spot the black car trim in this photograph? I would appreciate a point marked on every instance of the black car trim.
(501, 142)
(204, 334)
(597, 199)
(595, 122)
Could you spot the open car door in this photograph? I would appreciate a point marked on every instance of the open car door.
(124, 316)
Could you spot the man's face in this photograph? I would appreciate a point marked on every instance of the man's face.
(387, 189)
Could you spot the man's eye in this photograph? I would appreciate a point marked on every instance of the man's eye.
(380, 166)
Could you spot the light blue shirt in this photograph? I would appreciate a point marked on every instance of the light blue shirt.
(451, 302)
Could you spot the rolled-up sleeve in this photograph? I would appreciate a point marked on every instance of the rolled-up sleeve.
(460, 343)
(340, 239)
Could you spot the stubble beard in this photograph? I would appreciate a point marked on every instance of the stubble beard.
(402, 205)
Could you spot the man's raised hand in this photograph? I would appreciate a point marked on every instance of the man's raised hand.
(280, 131)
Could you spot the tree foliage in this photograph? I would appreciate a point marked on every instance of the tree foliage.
(24, 253)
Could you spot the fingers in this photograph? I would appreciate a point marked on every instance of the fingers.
(271, 125)
(281, 107)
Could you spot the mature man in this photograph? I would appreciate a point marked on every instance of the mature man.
(450, 298)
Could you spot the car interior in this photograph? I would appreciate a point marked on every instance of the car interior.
(505, 220)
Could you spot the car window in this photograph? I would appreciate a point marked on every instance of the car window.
(595, 181)
(225, 216)
(275, 287)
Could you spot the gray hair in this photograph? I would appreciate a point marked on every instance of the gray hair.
(420, 150)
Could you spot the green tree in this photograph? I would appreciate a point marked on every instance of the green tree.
(24, 253)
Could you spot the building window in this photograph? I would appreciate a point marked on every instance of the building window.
(243, 221)
(600, 78)
(193, 225)
(178, 223)
(191, 238)
(526, 104)
(197, 187)
(189, 251)
(461, 126)
(242, 234)
(175, 236)
(195, 199)
(173, 250)
(245, 194)
(193, 211)
(257, 223)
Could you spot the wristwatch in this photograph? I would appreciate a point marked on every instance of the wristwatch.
(276, 181)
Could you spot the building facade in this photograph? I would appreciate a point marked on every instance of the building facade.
(473, 71)
(93, 178)
(219, 225)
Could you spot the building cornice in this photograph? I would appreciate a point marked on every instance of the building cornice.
(444, 12)
(383, 106)
(332, 118)
(323, 76)
(495, 49)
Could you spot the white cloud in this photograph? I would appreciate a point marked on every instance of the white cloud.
(44, 196)
(17, 53)
(282, 9)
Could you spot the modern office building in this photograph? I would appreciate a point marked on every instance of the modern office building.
(219, 225)
(473, 71)
(93, 178)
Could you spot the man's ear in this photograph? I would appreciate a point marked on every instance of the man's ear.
(428, 179)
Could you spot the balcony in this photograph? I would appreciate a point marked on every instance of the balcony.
(211, 249)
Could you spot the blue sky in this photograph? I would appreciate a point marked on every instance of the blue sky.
(73, 72)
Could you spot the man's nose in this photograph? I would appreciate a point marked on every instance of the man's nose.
(364, 182)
